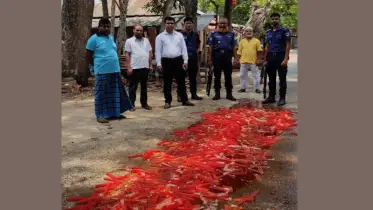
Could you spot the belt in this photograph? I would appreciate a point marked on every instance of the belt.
(223, 51)
(174, 58)
(275, 53)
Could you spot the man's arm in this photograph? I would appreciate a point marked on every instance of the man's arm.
(234, 44)
(184, 50)
(288, 44)
(210, 42)
(239, 51)
(198, 41)
(127, 52)
(150, 54)
(128, 61)
(90, 48)
(158, 50)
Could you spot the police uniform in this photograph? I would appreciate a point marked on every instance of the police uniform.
(277, 40)
(192, 42)
(223, 45)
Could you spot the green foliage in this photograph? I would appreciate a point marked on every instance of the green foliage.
(288, 9)
(241, 13)
(156, 6)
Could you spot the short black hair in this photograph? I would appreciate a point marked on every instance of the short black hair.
(275, 14)
(190, 19)
(169, 18)
(103, 21)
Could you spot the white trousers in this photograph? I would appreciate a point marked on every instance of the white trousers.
(255, 75)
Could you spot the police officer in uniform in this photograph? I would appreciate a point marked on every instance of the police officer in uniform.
(192, 42)
(222, 48)
(277, 56)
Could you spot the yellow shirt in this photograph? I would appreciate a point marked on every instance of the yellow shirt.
(248, 50)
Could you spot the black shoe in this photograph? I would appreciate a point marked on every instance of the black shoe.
(281, 102)
(230, 97)
(178, 99)
(217, 96)
(196, 97)
(269, 100)
(258, 91)
(167, 106)
(147, 107)
(187, 103)
(241, 91)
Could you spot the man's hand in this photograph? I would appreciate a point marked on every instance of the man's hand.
(185, 66)
(284, 63)
(129, 72)
(151, 68)
(159, 67)
(235, 61)
(259, 62)
(208, 61)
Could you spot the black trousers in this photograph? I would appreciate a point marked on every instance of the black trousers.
(274, 61)
(139, 76)
(173, 68)
(222, 61)
(192, 73)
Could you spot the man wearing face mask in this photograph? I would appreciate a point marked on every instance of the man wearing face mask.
(111, 98)
(277, 55)
(192, 42)
(222, 48)
(139, 63)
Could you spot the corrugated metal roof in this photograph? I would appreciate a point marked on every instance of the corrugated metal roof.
(202, 21)
(135, 8)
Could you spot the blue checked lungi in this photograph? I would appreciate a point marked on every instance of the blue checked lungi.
(111, 98)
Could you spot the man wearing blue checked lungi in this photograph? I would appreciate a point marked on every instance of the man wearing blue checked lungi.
(111, 98)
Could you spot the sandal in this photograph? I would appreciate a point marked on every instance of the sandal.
(102, 120)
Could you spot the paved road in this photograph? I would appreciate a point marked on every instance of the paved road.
(278, 189)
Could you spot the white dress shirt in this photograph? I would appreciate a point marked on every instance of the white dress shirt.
(170, 45)
(139, 50)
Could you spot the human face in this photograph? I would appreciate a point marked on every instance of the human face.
(275, 21)
(248, 34)
(137, 31)
(169, 25)
(104, 29)
(223, 23)
(189, 25)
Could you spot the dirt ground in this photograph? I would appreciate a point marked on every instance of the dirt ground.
(90, 149)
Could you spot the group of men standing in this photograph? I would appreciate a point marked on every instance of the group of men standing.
(176, 56)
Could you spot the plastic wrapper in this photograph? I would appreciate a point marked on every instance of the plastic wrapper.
(200, 167)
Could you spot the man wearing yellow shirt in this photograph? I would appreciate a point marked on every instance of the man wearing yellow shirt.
(250, 55)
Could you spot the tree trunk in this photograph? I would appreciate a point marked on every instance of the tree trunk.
(105, 9)
(76, 29)
(167, 9)
(258, 18)
(123, 4)
(112, 29)
(228, 12)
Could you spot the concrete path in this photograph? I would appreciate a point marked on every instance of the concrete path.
(90, 149)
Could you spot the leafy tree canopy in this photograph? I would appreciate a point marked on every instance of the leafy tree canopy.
(288, 9)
